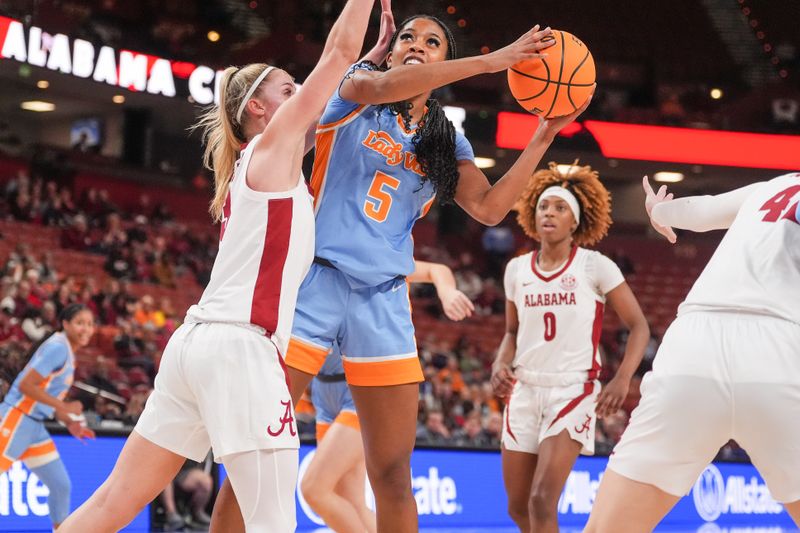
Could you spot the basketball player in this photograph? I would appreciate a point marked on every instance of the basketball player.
(378, 167)
(333, 485)
(548, 362)
(727, 367)
(222, 382)
(37, 394)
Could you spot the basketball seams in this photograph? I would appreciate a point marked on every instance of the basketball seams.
(537, 78)
(560, 73)
(570, 84)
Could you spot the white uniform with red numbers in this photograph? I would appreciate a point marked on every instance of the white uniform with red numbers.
(222, 381)
(728, 367)
(557, 363)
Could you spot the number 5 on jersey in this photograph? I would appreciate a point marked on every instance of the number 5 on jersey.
(379, 200)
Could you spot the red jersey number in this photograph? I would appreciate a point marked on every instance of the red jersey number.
(776, 206)
(549, 326)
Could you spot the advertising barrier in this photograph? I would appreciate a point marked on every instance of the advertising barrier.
(453, 488)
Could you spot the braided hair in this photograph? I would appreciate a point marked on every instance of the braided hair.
(435, 138)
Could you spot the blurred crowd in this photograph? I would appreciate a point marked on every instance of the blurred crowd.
(457, 406)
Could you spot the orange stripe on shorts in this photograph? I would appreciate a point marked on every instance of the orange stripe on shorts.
(383, 373)
(305, 357)
(322, 429)
(39, 449)
(349, 419)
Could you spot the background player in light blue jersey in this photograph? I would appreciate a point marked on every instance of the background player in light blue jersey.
(384, 151)
(38, 394)
(333, 485)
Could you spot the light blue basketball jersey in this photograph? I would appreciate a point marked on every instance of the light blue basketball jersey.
(55, 362)
(368, 190)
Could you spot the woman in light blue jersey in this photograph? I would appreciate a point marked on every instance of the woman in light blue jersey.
(384, 151)
(38, 394)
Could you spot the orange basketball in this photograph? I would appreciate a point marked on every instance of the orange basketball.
(558, 84)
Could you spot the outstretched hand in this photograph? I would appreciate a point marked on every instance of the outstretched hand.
(526, 47)
(387, 27)
(379, 52)
(650, 201)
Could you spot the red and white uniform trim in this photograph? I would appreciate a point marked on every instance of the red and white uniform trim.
(557, 361)
(266, 248)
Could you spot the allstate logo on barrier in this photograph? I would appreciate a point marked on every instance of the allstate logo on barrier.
(434, 494)
(709, 494)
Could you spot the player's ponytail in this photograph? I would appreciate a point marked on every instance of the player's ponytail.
(222, 133)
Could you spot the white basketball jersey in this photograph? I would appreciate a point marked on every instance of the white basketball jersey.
(560, 312)
(756, 268)
(266, 248)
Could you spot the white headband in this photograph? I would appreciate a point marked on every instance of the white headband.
(250, 92)
(564, 194)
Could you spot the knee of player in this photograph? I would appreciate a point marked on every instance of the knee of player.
(392, 476)
(518, 510)
(543, 501)
(312, 490)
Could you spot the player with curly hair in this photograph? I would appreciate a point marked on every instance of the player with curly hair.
(548, 363)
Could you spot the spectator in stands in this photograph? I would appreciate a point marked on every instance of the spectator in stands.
(434, 431)
(106, 409)
(77, 236)
(100, 375)
(121, 264)
(195, 481)
(452, 373)
(22, 207)
(138, 232)
(37, 324)
(467, 279)
(474, 434)
(9, 325)
(147, 315)
(47, 269)
(114, 236)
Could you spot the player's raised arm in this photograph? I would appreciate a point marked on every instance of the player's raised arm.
(342, 48)
(694, 213)
(410, 73)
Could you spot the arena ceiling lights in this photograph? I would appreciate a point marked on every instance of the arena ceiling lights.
(667, 144)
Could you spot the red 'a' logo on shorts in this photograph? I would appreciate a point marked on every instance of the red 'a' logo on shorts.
(287, 418)
(586, 425)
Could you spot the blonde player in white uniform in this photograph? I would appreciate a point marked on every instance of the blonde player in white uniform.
(728, 367)
(222, 383)
(548, 360)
